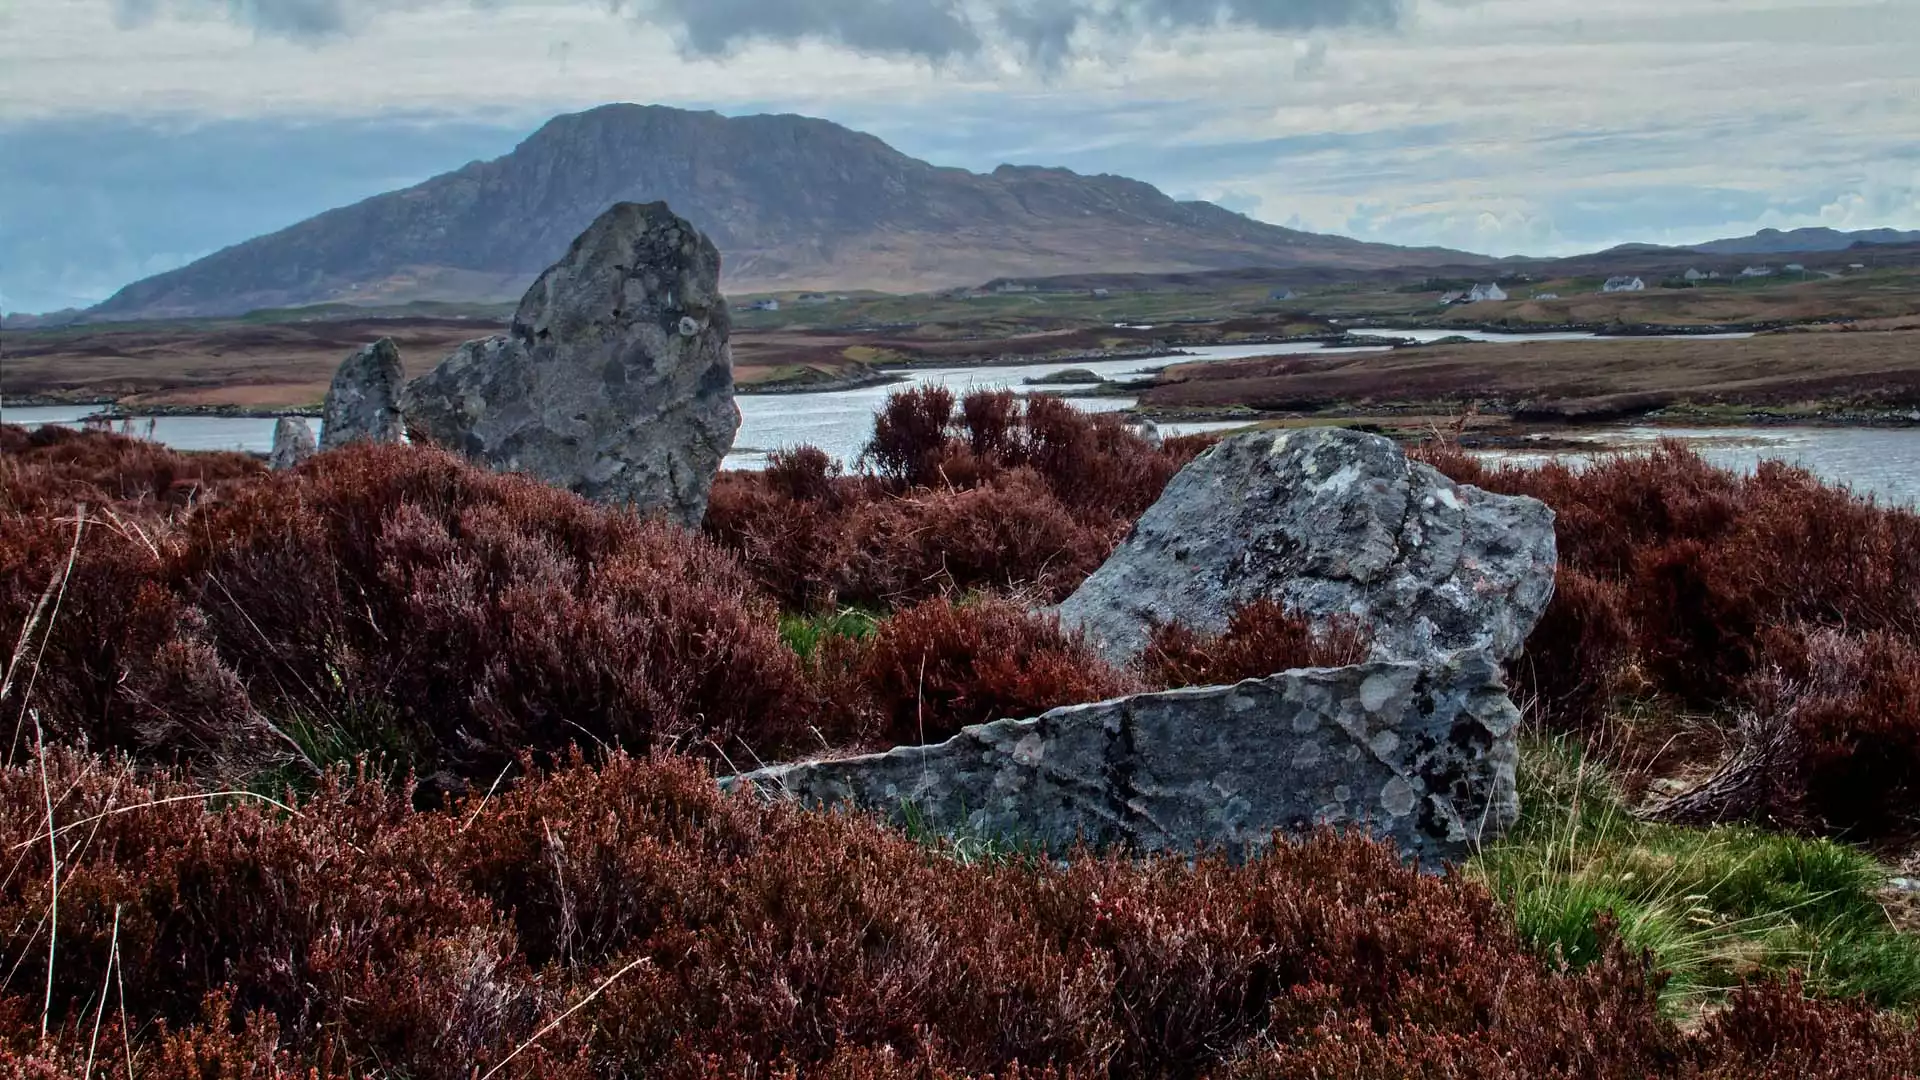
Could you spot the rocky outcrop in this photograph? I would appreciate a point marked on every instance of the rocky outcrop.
(1422, 754)
(1332, 523)
(615, 379)
(363, 402)
(293, 443)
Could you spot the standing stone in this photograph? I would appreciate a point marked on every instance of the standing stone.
(363, 403)
(615, 379)
(292, 443)
(1331, 523)
(1422, 755)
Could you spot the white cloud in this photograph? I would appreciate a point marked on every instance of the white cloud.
(1499, 125)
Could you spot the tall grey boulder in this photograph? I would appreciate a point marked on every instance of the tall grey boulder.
(1420, 754)
(1331, 523)
(615, 379)
(293, 443)
(363, 402)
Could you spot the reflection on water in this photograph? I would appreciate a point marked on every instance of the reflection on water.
(840, 422)
(1429, 336)
(179, 432)
(1881, 462)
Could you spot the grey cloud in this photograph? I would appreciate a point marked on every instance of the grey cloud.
(1041, 32)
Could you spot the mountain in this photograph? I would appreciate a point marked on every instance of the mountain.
(792, 202)
(1775, 242)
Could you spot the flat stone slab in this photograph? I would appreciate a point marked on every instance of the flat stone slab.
(1420, 754)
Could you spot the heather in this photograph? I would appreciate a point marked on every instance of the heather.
(628, 919)
(1766, 623)
(463, 727)
(993, 492)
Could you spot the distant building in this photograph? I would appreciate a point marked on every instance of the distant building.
(1623, 284)
(1694, 275)
(1281, 294)
(1451, 298)
(812, 298)
(1796, 268)
(1102, 294)
(764, 305)
(1757, 271)
(1856, 266)
(1489, 291)
(1015, 287)
(1546, 296)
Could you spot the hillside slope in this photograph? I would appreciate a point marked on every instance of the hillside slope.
(793, 203)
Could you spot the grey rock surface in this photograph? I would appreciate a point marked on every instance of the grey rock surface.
(615, 379)
(293, 443)
(1331, 523)
(1421, 754)
(363, 402)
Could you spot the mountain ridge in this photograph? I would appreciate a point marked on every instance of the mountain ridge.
(1812, 239)
(793, 202)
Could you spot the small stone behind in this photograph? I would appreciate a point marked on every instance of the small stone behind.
(293, 443)
(363, 402)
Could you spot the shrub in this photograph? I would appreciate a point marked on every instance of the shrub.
(395, 599)
(1025, 496)
(1711, 592)
(1261, 638)
(731, 937)
(940, 666)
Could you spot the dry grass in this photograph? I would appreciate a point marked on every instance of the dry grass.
(1861, 369)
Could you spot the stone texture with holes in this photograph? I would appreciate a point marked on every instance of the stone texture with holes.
(615, 379)
(293, 443)
(1421, 754)
(363, 402)
(1332, 523)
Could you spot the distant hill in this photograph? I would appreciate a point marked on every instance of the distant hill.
(1776, 242)
(793, 203)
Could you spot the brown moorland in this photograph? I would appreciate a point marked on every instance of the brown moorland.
(621, 917)
(1872, 370)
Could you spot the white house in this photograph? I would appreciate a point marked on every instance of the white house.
(1623, 284)
(1757, 271)
(1694, 275)
(1546, 296)
(764, 305)
(1281, 294)
(1452, 298)
(1489, 291)
(1796, 268)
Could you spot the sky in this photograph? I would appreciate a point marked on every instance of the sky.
(137, 135)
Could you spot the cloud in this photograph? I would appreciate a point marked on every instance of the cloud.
(1042, 33)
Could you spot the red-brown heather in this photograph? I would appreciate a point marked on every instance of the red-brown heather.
(361, 936)
(1769, 595)
(511, 645)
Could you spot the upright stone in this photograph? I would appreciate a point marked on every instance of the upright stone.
(292, 443)
(1421, 755)
(615, 379)
(363, 404)
(1331, 523)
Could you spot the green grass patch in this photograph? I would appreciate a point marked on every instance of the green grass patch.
(804, 633)
(1714, 906)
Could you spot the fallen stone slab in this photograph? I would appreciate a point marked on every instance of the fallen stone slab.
(615, 379)
(1332, 523)
(1422, 755)
(363, 402)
